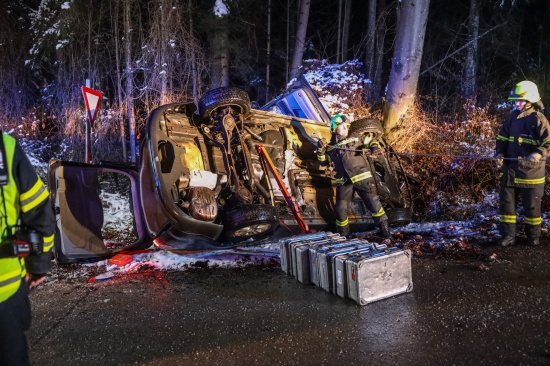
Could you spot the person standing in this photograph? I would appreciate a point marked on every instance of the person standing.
(25, 213)
(352, 174)
(522, 145)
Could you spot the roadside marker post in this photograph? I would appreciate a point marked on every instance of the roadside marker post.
(92, 98)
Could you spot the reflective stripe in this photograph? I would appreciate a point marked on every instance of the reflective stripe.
(529, 181)
(48, 243)
(380, 212)
(504, 138)
(545, 142)
(533, 221)
(358, 177)
(321, 157)
(507, 219)
(342, 223)
(34, 196)
(523, 140)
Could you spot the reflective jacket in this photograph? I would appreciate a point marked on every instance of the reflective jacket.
(348, 157)
(26, 200)
(524, 133)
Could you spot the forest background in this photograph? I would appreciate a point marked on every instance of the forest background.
(144, 53)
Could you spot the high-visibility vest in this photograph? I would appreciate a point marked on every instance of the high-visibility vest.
(12, 269)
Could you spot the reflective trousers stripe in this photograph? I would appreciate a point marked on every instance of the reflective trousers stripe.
(533, 221)
(358, 177)
(342, 223)
(380, 212)
(509, 219)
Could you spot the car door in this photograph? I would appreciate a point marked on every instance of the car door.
(98, 210)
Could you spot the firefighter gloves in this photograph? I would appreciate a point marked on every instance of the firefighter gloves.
(534, 157)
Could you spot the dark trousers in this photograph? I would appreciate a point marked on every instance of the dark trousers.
(367, 191)
(15, 319)
(531, 198)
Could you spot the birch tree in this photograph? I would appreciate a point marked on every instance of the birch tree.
(409, 43)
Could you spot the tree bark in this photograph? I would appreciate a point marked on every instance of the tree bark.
(409, 43)
(300, 39)
(268, 55)
(119, 77)
(470, 71)
(345, 30)
(339, 33)
(129, 78)
(369, 50)
(381, 30)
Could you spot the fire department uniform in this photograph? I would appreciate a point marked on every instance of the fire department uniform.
(352, 173)
(24, 198)
(524, 133)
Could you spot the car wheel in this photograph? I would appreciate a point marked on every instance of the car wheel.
(221, 97)
(364, 125)
(249, 221)
(399, 216)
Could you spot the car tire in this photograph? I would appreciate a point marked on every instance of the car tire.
(249, 221)
(399, 216)
(224, 96)
(364, 125)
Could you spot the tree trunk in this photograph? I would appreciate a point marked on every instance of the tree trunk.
(268, 55)
(339, 33)
(369, 50)
(470, 72)
(409, 43)
(129, 78)
(165, 7)
(345, 30)
(119, 78)
(381, 30)
(300, 39)
(194, 73)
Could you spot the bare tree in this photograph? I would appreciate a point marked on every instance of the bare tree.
(409, 43)
(116, 36)
(300, 39)
(369, 50)
(129, 77)
(268, 53)
(470, 68)
(345, 30)
(220, 46)
(339, 34)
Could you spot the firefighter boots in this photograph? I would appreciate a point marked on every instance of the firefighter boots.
(506, 241)
(385, 230)
(533, 241)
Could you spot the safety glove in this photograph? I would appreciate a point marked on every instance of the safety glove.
(321, 147)
(534, 157)
(499, 160)
(376, 150)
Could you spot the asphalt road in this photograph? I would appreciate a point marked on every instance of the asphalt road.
(461, 312)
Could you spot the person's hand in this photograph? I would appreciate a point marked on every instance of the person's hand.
(534, 157)
(322, 147)
(34, 280)
(376, 150)
(500, 160)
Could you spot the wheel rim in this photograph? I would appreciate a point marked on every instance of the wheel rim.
(252, 230)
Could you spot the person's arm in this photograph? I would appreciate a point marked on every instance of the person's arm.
(36, 213)
(503, 138)
(543, 129)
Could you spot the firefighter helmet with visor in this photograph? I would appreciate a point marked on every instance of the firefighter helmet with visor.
(525, 90)
(336, 121)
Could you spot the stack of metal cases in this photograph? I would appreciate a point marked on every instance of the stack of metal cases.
(350, 268)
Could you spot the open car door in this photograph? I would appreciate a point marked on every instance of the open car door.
(90, 226)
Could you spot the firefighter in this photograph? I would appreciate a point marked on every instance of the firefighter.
(352, 174)
(25, 209)
(522, 145)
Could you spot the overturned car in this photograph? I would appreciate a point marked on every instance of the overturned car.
(201, 178)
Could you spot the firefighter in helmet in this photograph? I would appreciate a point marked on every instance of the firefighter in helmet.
(522, 146)
(347, 153)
